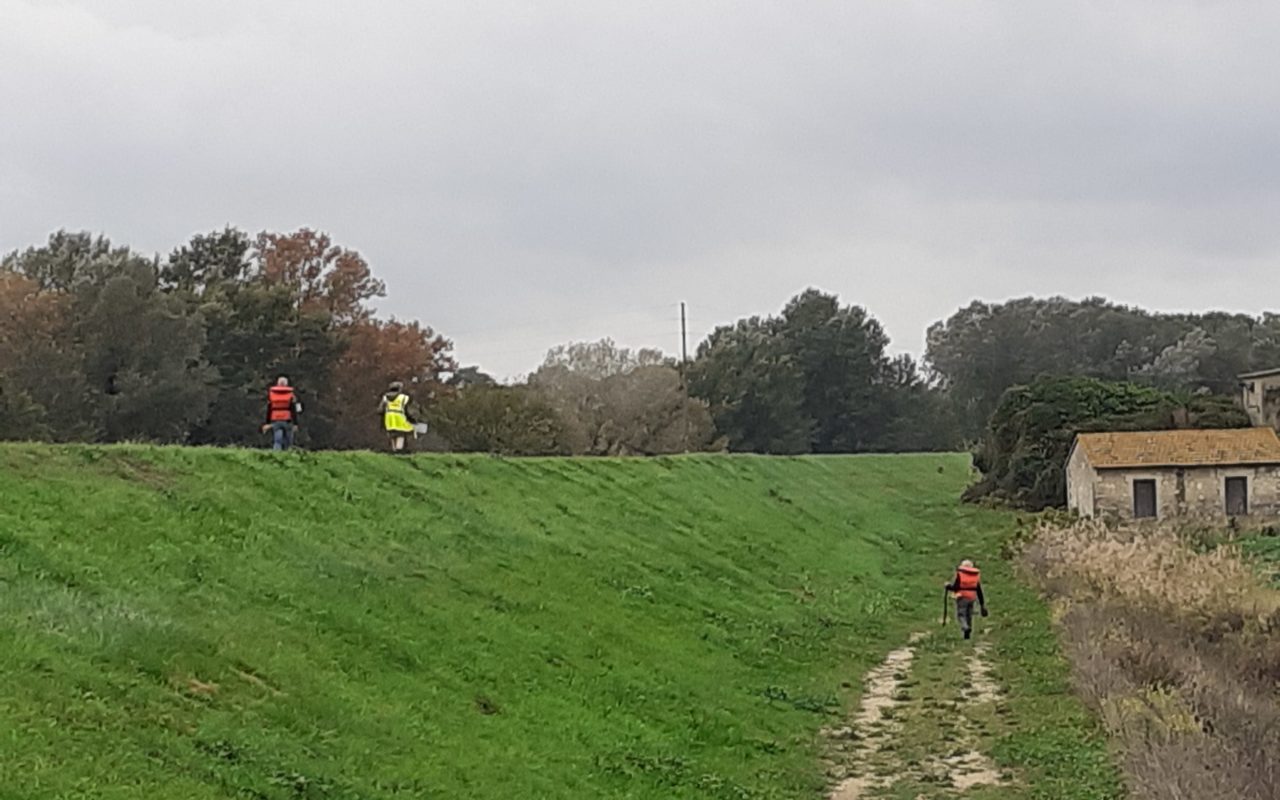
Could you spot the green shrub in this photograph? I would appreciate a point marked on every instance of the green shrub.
(1023, 454)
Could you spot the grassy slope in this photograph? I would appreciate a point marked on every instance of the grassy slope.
(237, 624)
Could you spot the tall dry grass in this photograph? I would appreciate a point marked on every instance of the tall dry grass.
(1177, 648)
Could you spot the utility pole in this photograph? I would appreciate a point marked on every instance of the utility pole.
(684, 338)
(684, 369)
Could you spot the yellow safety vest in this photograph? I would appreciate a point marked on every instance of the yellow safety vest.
(394, 418)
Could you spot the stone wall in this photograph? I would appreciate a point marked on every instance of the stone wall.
(1198, 492)
(1261, 398)
(1081, 479)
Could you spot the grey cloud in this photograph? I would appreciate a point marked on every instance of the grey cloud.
(524, 174)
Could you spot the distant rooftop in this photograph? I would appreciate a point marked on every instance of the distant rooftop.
(1191, 448)
(1262, 373)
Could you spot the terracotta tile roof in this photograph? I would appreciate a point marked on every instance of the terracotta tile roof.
(1180, 448)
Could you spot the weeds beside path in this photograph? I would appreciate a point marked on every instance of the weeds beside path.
(1177, 649)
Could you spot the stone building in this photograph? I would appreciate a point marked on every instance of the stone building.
(1206, 474)
(1260, 395)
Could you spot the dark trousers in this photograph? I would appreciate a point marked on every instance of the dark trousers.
(964, 615)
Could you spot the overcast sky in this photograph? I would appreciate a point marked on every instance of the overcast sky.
(524, 174)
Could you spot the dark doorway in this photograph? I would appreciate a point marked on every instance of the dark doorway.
(1237, 497)
(1144, 499)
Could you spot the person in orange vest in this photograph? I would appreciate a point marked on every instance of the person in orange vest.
(283, 409)
(967, 588)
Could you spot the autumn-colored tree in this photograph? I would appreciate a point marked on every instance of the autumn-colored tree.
(377, 353)
(29, 319)
(101, 343)
(41, 390)
(321, 274)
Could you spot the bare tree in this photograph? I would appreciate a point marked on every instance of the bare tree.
(602, 359)
(614, 401)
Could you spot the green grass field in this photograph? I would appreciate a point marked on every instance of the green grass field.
(185, 623)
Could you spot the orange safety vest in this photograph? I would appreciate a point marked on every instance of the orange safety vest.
(967, 580)
(280, 403)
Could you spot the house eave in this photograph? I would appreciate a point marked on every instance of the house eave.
(1262, 373)
(1215, 465)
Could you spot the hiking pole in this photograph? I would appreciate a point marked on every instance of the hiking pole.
(944, 608)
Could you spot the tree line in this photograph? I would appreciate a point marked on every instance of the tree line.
(984, 349)
(100, 343)
(1023, 453)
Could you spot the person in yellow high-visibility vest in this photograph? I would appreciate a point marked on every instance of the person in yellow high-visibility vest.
(397, 418)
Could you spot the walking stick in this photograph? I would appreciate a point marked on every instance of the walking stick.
(945, 607)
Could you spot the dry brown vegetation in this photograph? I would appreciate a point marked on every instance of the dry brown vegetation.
(1177, 648)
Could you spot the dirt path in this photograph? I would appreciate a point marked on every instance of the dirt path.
(916, 726)
(872, 729)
